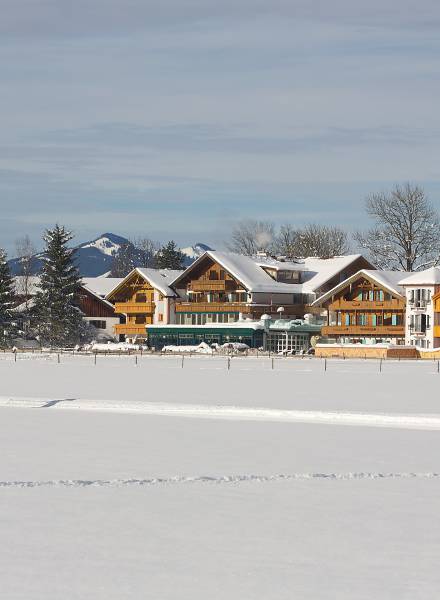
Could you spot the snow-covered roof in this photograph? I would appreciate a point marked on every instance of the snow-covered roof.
(428, 277)
(101, 286)
(386, 279)
(160, 279)
(318, 271)
(250, 272)
(247, 324)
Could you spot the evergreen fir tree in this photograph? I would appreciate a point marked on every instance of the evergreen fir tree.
(59, 321)
(7, 296)
(169, 257)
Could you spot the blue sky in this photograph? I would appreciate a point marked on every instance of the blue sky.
(176, 119)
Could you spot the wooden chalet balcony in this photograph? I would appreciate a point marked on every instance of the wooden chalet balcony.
(134, 308)
(380, 330)
(366, 305)
(210, 285)
(130, 329)
(212, 307)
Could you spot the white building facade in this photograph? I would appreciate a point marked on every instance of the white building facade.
(419, 321)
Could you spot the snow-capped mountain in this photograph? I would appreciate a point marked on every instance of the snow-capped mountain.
(95, 258)
(193, 252)
(107, 243)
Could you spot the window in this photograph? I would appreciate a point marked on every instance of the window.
(160, 317)
(141, 298)
(98, 324)
(287, 341)
(213, 275)
(140, 319)
(288, 276)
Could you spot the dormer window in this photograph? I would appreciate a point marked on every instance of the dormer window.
(288, 276)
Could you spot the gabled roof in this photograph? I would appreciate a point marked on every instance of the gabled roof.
(245, 269)
(250, 271)
(318, 271)
(98, 286)
(389, 280)
(428, 277)
(159, 279)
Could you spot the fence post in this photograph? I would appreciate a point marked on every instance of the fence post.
(183, 360)
(380, 366)
(229, 363)
(95, 357)
(325, 364)
(136, 360)
(438, 366)
(58, 357)
(272, 364)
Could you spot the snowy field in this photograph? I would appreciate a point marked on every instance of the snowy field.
(149, 480)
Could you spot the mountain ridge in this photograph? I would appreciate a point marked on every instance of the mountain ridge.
(95, 257)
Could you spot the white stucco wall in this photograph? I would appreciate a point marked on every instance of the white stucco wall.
(412, 310)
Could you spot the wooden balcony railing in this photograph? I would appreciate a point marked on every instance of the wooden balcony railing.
(212, 307)
(367, 305)
(436, 330)
(130, 329)
(380, 330)
(208, 285)
(135, 308)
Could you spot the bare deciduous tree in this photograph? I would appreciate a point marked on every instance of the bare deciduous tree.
(286, 241)
(139, 252)
(249, 237)
(26, 261)
(147, 250)
(406, 235)
(124, 261)
(322, 241)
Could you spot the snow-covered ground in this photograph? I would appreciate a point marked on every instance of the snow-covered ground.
(149, 480)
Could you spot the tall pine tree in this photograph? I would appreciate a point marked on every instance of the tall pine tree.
(169, 257)
(7, 295)
(59, 321)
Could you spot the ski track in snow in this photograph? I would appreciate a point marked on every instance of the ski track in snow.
(236, 413)
(232, 479)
